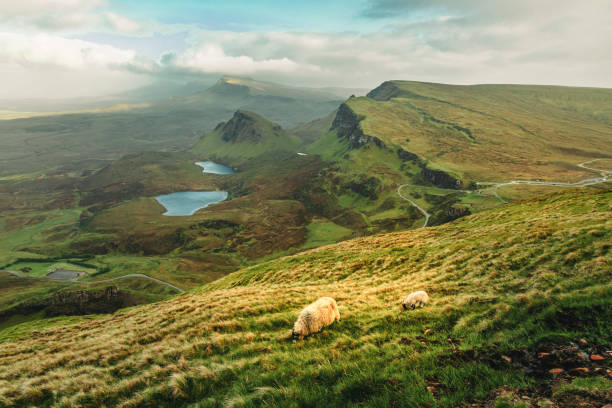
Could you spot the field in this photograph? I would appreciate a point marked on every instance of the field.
(506, 285)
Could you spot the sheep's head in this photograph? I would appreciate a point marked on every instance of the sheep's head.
(405, 306)
(298, 331)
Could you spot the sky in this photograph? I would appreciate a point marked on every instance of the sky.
(78, 48)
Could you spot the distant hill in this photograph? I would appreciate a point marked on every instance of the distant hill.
(88, 140)
(245, 135)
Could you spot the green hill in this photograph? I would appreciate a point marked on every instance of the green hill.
(515, 293)
(491, 132)
(246, 135)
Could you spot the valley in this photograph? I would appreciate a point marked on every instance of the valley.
(360, 203)
(314, 184)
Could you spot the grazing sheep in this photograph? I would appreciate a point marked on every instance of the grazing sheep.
(315, 316)
(415, 299)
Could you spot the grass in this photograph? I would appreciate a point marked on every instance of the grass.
(501, 279)
(492, 132)
(322, 232)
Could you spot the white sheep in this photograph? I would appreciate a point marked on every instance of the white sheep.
(415, 299)
(315, 316)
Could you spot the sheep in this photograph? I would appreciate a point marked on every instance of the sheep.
(315, 316)
(415, 299)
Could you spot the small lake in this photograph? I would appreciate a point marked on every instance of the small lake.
(188, 202)
(214, 168)
(64, 274)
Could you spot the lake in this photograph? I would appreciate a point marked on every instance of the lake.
(214, 168)
(188, 202)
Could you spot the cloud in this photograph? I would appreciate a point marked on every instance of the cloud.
(64, 15)
(211, 58)
(473, 41)
(47, 50)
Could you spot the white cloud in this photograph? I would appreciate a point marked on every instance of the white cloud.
(63, 16)
(47, 50)
(476, 41)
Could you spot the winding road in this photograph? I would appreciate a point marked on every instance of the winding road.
(582, 183)
(425, 213)
(130, 275)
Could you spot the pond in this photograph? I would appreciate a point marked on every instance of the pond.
(64, 274)
(214, 168)
(188, 202)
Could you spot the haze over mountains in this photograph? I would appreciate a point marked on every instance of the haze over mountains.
(87, 140)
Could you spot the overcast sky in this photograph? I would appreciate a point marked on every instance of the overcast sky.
(67, 48)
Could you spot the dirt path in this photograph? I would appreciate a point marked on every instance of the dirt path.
(130, 275)
(425, 213)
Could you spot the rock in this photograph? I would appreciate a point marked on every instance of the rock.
(440, 178)
(597, 357)
(556, 371)
(543, 355)
(582, 370)
(347, 126)
(458, 211)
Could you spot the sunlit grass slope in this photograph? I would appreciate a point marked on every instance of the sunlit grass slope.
(492, 132)
(513, 277)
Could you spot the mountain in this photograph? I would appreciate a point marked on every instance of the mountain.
(77, 141)
(520, 310)
(453, 150)
(245, 135)
(491, 132)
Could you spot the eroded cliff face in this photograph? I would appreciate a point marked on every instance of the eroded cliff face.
(440, 178)
(79, 302)
(347, 126)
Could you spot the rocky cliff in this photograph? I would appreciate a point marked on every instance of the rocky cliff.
(347, 126)
(243, 127)
(78, 302)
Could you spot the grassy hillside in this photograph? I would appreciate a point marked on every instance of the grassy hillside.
(506, 285)
(492, 132)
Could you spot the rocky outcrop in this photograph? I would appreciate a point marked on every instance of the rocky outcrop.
(78, 302)
(407, 156)
(347, 126)
(457, 211)
(244, 127)
(440, 178)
